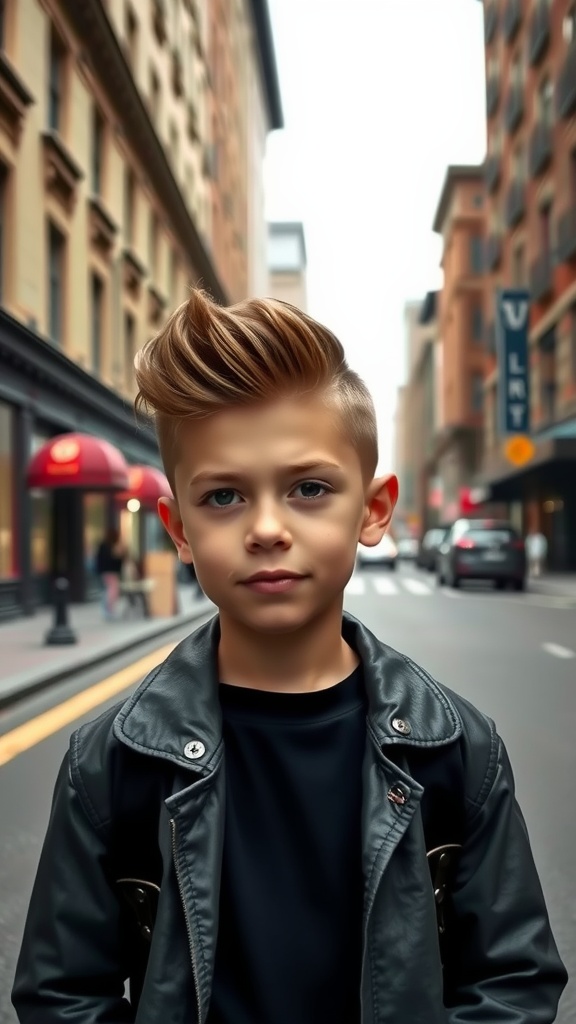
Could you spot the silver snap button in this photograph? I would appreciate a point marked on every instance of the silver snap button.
(194, 750)
(401, 726)
(397, 794)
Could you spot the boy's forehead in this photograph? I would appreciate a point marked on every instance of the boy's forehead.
(287, 432)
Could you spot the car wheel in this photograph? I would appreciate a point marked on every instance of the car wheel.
(454, 581)
(392, 566)
(520, 585)
(500, 584)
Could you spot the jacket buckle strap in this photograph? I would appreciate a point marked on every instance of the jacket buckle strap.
(142, 899)
(442, 863)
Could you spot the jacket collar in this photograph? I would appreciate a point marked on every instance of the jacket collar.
(177, 704)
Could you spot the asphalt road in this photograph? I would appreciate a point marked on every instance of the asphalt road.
(513, 655)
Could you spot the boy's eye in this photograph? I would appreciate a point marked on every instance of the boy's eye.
(222, 498)
(311, 489)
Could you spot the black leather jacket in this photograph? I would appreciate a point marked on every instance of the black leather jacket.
(502, 966)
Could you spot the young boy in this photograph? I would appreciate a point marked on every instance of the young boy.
(277, 782)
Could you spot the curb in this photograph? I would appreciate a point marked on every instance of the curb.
(24, 684)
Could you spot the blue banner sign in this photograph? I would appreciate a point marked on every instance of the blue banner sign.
(512, 323)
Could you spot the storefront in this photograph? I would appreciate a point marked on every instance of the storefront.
(43, 394)
(542, 494)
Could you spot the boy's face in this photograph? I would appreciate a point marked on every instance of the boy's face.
(270, 506)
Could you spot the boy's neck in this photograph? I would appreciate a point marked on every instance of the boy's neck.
(312, 658)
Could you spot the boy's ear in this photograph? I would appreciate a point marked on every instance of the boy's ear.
(381, 499)
(172, 522)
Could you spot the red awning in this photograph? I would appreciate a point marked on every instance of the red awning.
(147, 484)
(80, 461)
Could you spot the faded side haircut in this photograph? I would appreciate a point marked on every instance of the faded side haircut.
(209, 358)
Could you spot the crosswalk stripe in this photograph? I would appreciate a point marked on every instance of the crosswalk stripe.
(356, 586)
(417, 587)
(385, 586)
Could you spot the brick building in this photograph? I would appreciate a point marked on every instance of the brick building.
(457, 449)
(113, 200)
(530, 175)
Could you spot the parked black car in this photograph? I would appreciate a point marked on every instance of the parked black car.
(431, 541)
(482, 549)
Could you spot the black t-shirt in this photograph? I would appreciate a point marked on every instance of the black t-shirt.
(290, 931)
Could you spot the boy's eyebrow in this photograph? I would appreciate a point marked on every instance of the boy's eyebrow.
(294, 470)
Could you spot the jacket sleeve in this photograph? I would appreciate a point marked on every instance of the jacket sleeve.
(502, 966)
(69, 967)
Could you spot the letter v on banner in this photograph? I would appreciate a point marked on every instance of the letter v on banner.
(512, 325)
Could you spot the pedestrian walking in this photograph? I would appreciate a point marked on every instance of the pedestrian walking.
(536, 551)
(258, 833)
(109, 561)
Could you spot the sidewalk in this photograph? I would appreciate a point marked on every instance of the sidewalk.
(553, 585)
(27, 664)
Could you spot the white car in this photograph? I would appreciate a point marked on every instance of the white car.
(383, 554)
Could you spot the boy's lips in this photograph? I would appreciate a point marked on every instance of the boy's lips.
(277, 582)
(276, 574)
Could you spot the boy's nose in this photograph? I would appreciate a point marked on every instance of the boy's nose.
(268, 529)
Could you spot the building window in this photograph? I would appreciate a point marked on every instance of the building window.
(6, 493)
(129, 206)
(573, 344)
(516, 72)
(545, 218)
(546, 103)
(97, 314)
(572, 175)
(55, 84)
(519, 163)
(129, 346)
(477, 392)
(519, 267)
(477, 325)
(56, 255)
(97, 151)
(548, 400)
(131, 30)
(476, 254)
(569, 26)
(174, 145)
(3, 211)
(153, 244)
(155, 98)
(2, 24)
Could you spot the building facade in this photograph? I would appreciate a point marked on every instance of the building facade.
(460, 219)
(530, 175)
(106, 219)
(287, 263)
(417, 417)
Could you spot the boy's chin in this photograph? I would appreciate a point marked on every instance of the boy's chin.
(276, 621)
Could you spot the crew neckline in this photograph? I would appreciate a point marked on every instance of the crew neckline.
(330, 702)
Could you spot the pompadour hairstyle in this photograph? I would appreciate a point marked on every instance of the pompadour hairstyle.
(208, 358)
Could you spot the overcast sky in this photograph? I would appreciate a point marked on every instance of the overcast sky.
(379, 97)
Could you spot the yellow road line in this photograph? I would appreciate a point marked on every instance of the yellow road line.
(39, 728)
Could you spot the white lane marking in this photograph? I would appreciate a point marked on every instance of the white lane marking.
(558, 651)
(416, 587)
(356, 586)
(385, 586)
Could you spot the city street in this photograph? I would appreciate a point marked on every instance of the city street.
(513, 655)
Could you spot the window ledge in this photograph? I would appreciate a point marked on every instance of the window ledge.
(14, 99)
(157, 303)
(103, 229)
(61, 172)
(134, 272)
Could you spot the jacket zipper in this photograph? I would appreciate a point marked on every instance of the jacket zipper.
(187, 920)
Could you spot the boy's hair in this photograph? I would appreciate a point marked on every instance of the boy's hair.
(209, 358)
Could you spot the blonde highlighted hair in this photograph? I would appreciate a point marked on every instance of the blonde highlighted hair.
(208, 358)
